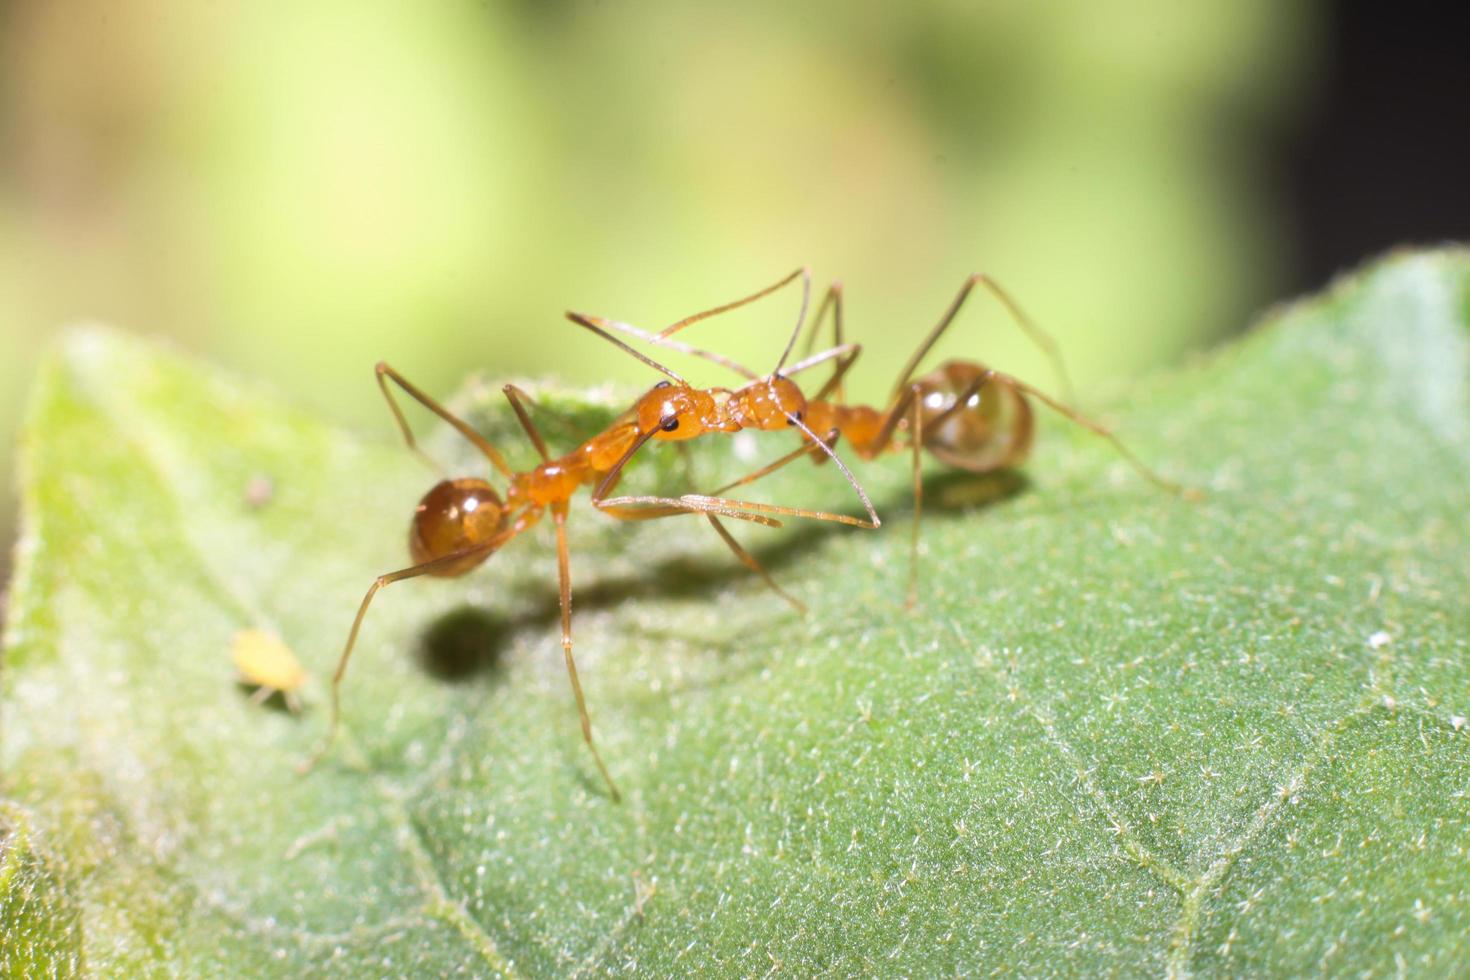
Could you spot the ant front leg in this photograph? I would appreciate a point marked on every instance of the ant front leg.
(646, 508)
(746, 557)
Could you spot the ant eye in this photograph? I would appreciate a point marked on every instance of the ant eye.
(669, 424)
(662, 384)
(795, 418)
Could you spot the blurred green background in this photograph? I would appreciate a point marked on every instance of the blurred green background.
(300, 190)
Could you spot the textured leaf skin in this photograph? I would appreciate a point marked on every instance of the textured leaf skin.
(1124, 732)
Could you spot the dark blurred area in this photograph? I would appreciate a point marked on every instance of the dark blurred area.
(1381, 157)
(297, 192)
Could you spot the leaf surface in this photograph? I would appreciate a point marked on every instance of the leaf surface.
(1123, 732)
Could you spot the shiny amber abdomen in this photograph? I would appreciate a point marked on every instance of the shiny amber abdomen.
(992, 429)
(454, 516)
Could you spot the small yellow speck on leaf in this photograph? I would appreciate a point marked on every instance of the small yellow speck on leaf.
(268, 665)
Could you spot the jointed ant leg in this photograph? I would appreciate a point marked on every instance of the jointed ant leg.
(916, 437)
(909, 406)
(1038, 336)
(833, 386)
(805, 449)
(750, 561)
(610, 481)
(831, 299)
(643, 507)
(515, 396)
(381, 581)
(1095, 428)
(753, 564)
(385, 373)
(564, 573)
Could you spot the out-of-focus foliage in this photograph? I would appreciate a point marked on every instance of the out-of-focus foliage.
(1124, 733)
(302, 189)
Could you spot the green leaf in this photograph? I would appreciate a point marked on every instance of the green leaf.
(1124, 732)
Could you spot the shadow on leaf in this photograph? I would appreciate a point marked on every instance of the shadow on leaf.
(464, 642)
(469, 641)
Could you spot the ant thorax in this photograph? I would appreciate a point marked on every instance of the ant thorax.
(767, 404)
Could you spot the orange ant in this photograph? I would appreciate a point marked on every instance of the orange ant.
(461, 522)
(970, 416)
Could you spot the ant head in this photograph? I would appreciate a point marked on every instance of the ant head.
(677, 411)
(454, 516)
(768, 403)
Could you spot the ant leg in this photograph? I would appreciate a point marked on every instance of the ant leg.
(1095, 428)
(1038, 336)
(746, 557)
(385, 373)
(564, 573)
(910, 407)
(753, 564)
(896, 414)
(610, 480)
(631, 507)
(515, 396)
(833, 386)
(831, 299)
(916, 439)
(414, 571)
(647, 507)
(805, 449)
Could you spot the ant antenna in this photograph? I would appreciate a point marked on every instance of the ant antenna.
(591, 323)
(846, 473)
(804, 272)
(678, 345)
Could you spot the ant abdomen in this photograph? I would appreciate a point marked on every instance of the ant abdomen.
(991, 430)
(454, 516)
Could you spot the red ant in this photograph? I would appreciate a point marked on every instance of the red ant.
(969, 416)
(461, 522)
